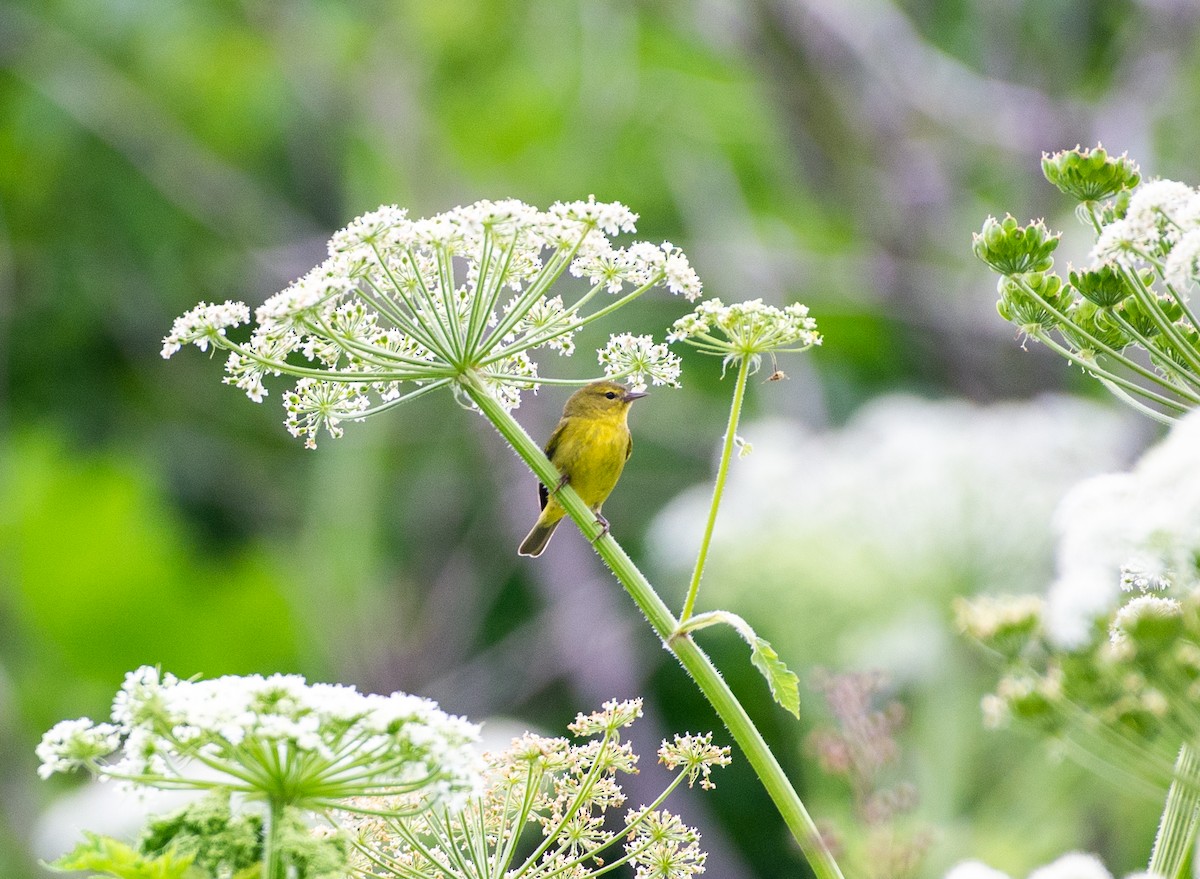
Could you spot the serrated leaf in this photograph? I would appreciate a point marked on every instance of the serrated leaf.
(785, 686)
(111, 857)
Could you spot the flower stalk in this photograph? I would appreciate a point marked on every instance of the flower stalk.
(690, 656)
(735, 411)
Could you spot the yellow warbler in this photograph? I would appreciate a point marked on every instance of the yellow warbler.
(589, 447)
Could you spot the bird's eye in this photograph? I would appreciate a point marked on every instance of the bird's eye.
(611, 395)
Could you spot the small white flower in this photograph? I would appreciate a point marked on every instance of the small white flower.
(646, 263)
(1182, 266)
(203, 325)
(368, 230)
(1119, 242)
(639, 359)
(547, 317)
(1155, 206)
(610, 218)
(72, 743)
(315, 404)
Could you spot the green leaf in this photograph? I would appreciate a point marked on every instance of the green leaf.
(111, 857)
(785, 686)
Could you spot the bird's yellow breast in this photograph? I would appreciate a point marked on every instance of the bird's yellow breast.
(591, 453)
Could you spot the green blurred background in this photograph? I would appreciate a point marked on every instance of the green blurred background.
(154, 153)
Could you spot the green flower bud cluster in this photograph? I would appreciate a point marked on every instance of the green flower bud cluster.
(1032, 300)
(1090, 174)
(1134, 294)
(1012, 249)
(1126, 695)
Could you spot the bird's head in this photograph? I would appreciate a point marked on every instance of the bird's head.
(601, 398)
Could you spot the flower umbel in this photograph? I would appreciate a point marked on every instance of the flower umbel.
(746, 330)
(566, 790)
(391, 314)
(275, 738)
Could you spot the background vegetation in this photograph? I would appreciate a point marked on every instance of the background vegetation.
(154, 153)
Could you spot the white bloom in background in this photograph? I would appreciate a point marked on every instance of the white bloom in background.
(1075, 865)
(1140, 527)
(974, 870)
(909, 485)
(1143, 607)
(873, 527)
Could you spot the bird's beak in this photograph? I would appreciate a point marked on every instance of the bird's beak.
(635, 395)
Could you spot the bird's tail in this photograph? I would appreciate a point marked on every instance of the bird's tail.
(537, 539)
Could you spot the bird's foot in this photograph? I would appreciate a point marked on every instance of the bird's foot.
(604, 527)
(561, 482)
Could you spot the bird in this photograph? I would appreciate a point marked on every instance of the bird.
(589, 447)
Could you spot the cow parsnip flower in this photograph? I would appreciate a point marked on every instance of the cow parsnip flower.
(402, 307)
(274, 738)
(746, 330)
(567, 791)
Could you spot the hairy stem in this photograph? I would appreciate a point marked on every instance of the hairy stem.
(1180, 820)
(690, 656)
(735, 412)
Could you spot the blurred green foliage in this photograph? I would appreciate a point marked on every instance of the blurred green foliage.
(154, 153)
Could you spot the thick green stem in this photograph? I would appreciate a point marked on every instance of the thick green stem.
(1180, 822)
(690, 656)
(735, 412)
(273, 867)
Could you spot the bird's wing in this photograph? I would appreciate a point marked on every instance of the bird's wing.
(551, 448)
(628, 445)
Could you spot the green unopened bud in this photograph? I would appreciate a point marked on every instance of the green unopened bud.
(1104, 286)
(1012, 249)
(1166, 353)
(1087, 317)
(1025, 299)
(1090, 174)
(1138, 317)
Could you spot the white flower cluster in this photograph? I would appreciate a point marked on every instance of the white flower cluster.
(638, 358)
(746, 329)
(1074, 865)
(204, 325)
(391, 305)
(1162, 222)
(1135, 530)
(71, 743)
(278, 736)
